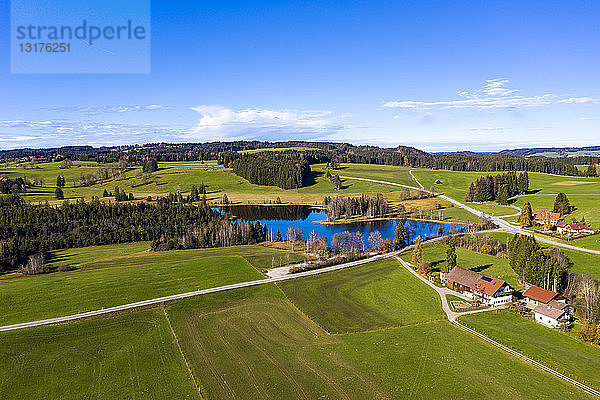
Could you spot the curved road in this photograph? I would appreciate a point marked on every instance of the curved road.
(453, 318)
(504, 225)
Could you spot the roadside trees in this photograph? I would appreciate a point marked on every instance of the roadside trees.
(417, 255)
(526, 219)
(562, 204)
(451, 258)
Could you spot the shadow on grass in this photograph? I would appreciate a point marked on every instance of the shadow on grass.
(481, 268)
(311, 178)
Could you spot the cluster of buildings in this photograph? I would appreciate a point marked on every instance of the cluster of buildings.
(572, 229)
(549, 308)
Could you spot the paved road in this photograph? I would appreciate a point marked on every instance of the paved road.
(504, 225)
(196, 293)
(442, 291)
(453, 318)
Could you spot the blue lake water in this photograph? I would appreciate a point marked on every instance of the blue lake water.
(305, 222)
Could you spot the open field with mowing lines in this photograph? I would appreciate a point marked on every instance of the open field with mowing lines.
(252, 343)
(550, 346)
(127, 356)
(109, 281)
(369, 297)
(435, 254)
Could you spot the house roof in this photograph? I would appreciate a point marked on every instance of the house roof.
(548, 311)
(576, 226)
(488, 285)
(464, 277)
(539, 294)
(553, 216)
(559, 305)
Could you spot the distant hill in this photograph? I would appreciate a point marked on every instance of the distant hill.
(555, 151)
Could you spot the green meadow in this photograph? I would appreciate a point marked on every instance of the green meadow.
(365, 298)
(127, 356)
(107, 276)
(586, 206)
(435, 254)
(386, 173)
(552, 347)
(255, 343)
(456, 183)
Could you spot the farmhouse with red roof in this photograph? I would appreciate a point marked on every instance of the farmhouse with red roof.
(481, 288)
(549, 308)
(574, 229)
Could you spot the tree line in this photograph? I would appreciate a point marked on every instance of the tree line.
(550, 269)
(316, 152)
(499, 187)
(287, 171)
(346, 207)
(26, 229)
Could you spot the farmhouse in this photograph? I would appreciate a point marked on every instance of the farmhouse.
(545, 216)
(555, 314)
(574, 229)
(535, 295)
(481, 288)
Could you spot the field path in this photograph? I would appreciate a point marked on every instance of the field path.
(159, 300)
(453, 318)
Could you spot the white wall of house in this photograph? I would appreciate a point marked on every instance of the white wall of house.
(498, 301)
(545, 320)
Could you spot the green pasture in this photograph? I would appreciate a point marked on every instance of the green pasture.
(552, 347)
(108, 276)
(128, 356)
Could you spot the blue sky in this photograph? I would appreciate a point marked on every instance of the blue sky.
(440, 75)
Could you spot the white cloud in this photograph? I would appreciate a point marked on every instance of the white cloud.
(217, 122)
(63, 132)
(19, 138)
(492, 95)
(578, 100)
(108, 109)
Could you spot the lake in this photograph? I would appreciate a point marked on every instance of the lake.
(303, 217)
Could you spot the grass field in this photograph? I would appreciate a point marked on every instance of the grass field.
(129, 356)
(586, 206)
(455, 185)
(252, 343)
(550, 346)
(496, 267)
(590, 242)
(386, 173)
(120, 274)
(364, 298)
(584, 262)
(179, 177)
